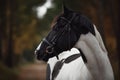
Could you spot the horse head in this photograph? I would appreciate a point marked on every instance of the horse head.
(64, 34)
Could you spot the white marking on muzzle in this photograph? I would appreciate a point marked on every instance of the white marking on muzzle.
(38, 47)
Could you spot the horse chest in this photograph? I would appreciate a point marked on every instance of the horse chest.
(75, 70)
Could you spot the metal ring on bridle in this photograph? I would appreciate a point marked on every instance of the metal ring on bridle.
(49, 49)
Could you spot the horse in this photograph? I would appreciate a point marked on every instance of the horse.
(74, 50)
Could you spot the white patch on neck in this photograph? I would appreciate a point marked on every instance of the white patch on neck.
(94, 50)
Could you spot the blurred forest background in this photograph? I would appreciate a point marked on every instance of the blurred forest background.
(21, 30)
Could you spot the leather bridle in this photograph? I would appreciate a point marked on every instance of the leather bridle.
(50, 48)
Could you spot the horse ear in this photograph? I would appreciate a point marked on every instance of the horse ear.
(66, 10)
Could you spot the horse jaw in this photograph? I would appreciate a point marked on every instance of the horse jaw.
(96, 54)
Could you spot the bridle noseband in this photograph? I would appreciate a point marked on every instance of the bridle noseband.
(50, 48)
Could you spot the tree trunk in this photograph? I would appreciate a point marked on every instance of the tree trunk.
(11, 24)
(0, 32)
(118, 45)
(118, 36)
(0, 43)
(100, 14)
(115, 25)
(2, 25)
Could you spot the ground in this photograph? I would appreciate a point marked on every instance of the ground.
(35, 71)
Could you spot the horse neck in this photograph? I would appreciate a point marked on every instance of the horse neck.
(97, 60)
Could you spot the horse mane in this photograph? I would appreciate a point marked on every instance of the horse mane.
(54, 20)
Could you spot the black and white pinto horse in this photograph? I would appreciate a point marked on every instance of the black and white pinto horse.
(74, 50)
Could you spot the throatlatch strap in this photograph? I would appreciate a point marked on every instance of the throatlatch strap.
(83, 56)
(59, 64)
